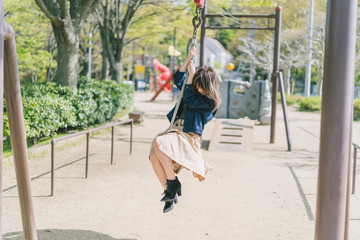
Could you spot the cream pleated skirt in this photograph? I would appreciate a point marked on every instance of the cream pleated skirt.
(185, 150)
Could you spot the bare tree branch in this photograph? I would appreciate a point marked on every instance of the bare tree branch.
(144, 17)
(133, 39)
(51, 10)
(64, 9)
(87, 6)
(80, 9)
(82, 49)
(129, 14)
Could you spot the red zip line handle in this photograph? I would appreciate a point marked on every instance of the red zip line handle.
(199, 3)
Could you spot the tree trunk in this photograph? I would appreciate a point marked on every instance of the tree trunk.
(116, 62)
(85, 64)
(104, 66)
(105, 61)
(128, 70)
(113, 33)
(67, 58)
(120, 74)
(116, 72)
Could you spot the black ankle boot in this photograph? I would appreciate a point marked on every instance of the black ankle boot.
(173, 187)
(169, 205)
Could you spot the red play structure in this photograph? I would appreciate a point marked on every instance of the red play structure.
(165, 77)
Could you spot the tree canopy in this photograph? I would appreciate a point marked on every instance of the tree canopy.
(49, 30)
(33, 38)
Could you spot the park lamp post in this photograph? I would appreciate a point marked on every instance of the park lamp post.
(309, 56)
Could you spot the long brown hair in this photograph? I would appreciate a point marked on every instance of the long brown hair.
(206, 79)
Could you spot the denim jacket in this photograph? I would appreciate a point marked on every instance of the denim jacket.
(198, 110)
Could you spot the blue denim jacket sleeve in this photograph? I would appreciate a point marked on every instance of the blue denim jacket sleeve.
(179, 78)
(196, 101)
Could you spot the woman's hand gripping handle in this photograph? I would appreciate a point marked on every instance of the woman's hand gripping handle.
(189, 65)
(189, 57)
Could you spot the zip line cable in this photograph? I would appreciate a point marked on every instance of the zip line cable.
(229, 15)
(235, 21)
(221, 9)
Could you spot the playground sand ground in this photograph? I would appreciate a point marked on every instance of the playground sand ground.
(267, 194)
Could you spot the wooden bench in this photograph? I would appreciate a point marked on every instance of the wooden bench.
(138, 116)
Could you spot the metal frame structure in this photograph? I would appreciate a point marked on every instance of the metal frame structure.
(1, 105)
(356, 147)
(333, 191)
(332, 210)
(275, 75)
(332, 213)
(88, 132)
(10, 82)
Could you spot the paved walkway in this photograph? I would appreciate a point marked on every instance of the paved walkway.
(264, 195)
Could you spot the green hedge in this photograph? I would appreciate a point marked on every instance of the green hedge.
(45, 115)
(49, 108)
(314, 104)
(290, 99)
(310, 104)
(357, 110)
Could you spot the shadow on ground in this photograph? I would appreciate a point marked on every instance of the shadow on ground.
(62, 234)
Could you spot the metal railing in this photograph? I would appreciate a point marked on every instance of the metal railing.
(87, 132)
(356, 147)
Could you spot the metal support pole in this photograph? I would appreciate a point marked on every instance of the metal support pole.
(354, 171)
(143, 56)
(112, 145)
(308, 65)
(275, 70)
(336, 120)
(283, 103)
(131, 136)
(240, 28)
(1, 103)
(17, 134)
(52, 167)
(251, 35)
(87, 154)
(202, 35)
(347, 208)
(239, 15)
(228, 100)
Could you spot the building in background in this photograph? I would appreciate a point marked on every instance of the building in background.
(215, 55)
